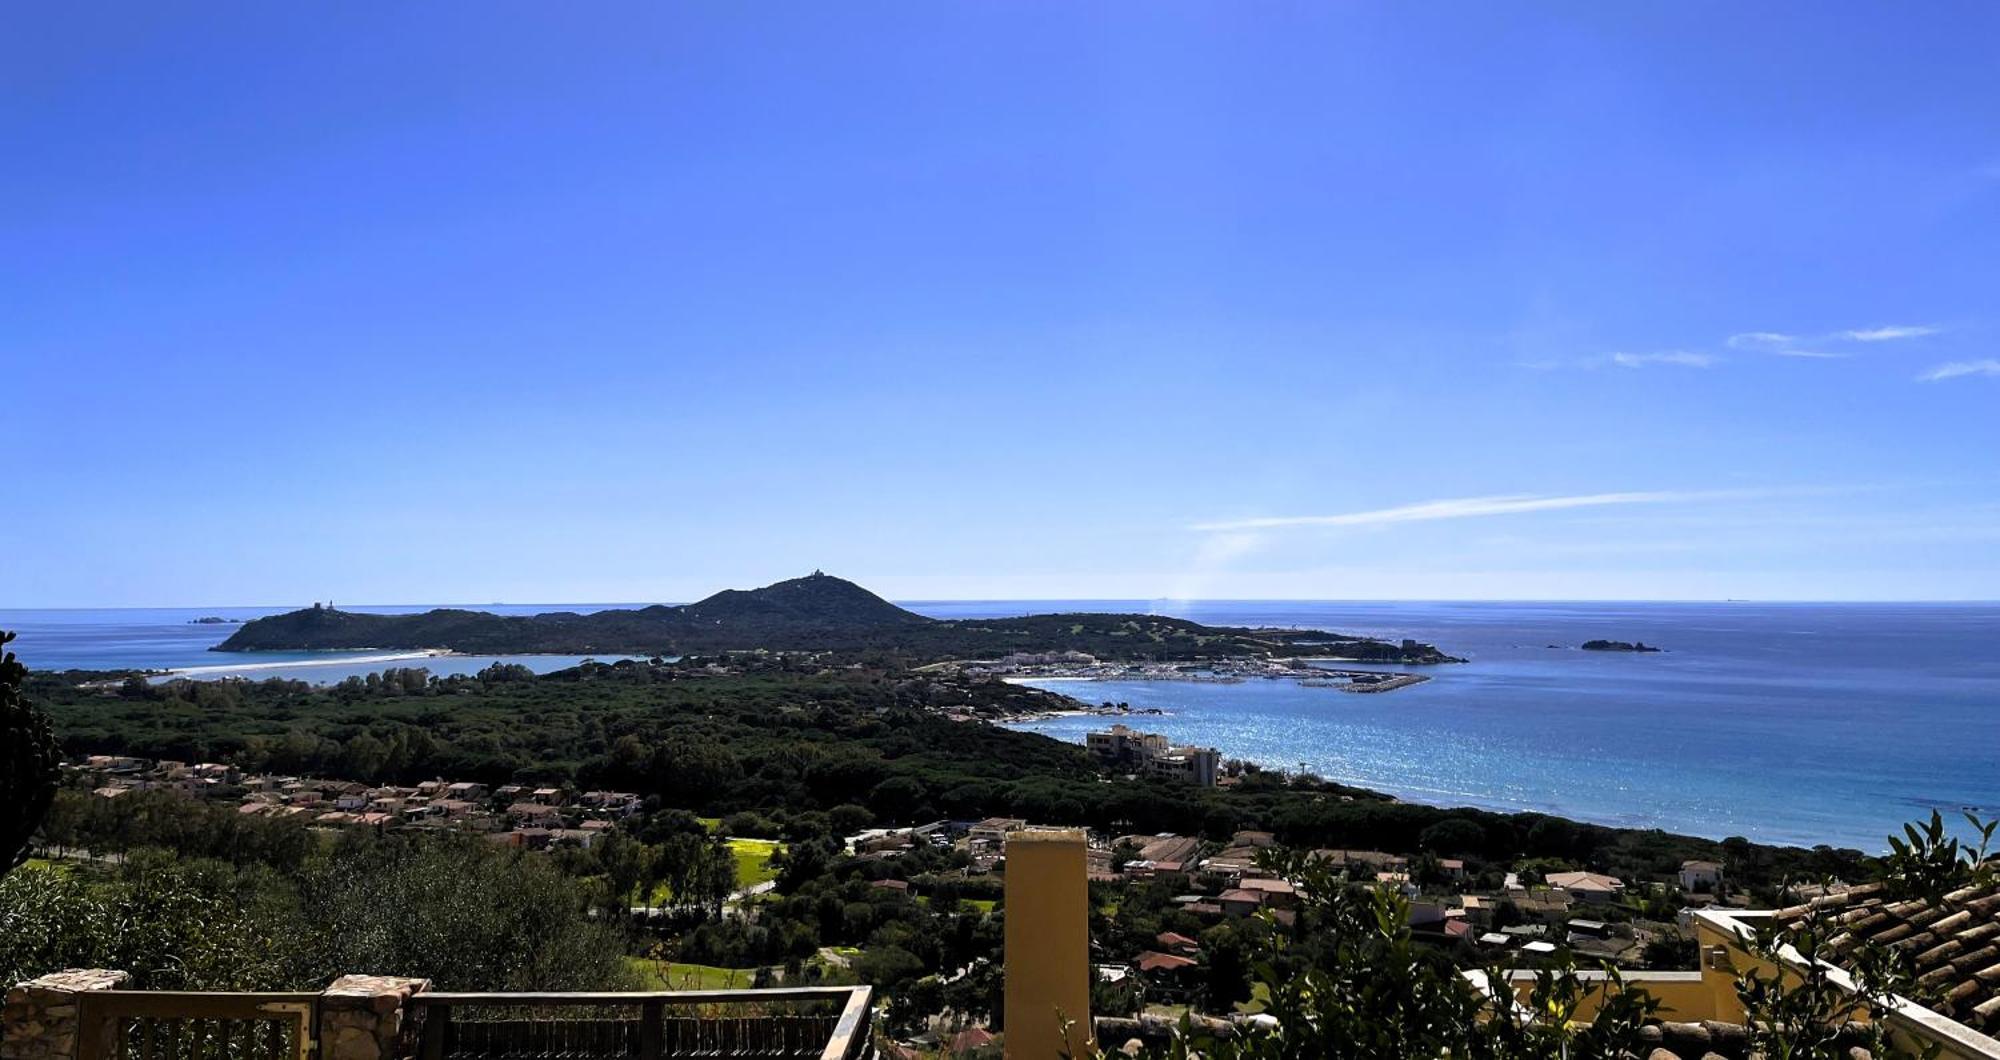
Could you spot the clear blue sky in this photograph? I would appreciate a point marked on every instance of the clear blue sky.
(414, 302)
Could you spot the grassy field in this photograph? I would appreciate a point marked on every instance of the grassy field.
(753, 861)
(673, 975)
(52, 866)
(753, 866)
(1260, 996)
(980, 905)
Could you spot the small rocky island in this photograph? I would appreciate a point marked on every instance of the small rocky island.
(212, 620)
(1619, 645)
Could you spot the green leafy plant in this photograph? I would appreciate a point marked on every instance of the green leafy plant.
(29, 765)
(1798, 1006)
(1928, 862)
(1364, 988)
(1801, 1007)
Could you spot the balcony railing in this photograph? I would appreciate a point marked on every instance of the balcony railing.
(175, 1025)
(815, 1023)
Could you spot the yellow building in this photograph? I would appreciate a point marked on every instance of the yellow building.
(1047, 946)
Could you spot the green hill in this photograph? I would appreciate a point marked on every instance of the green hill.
(815, 613)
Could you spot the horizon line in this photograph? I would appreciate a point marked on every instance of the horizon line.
(908, 601)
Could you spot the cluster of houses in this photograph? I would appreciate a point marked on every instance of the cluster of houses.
(515, 815)
(1578, 910)
(1564, 908)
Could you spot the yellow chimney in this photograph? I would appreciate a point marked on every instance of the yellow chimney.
(1048, 946)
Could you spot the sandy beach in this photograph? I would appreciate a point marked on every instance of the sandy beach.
(291, 664)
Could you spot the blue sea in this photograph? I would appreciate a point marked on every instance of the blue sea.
(169, 638)
(1786, 723)
(1783, 723)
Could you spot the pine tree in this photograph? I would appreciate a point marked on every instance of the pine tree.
(28, 762)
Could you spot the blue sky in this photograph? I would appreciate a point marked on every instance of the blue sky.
(631, 301)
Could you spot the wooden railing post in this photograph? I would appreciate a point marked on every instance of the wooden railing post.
(851, 1035)
(652, 1030)
(437, 1028)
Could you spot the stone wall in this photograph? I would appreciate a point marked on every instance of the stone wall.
(361, 1015)
(41, 1018)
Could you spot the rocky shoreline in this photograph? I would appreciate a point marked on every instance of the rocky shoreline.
(1219, 671)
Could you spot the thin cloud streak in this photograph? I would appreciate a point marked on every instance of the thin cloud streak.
(1780, 344)
(1675, 357)
(1760, 340)
(1891, 333)
(1960, 369)
(1474, 508)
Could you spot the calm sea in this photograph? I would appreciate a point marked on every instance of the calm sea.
(1788, 723)
(169, 638)
(1795, 723)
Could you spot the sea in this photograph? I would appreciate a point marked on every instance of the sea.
(1798, 723)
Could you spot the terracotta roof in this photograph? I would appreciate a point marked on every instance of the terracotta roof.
(971, 1038)
(1585, 881)
(1161, 962)
(1954, 941)
(1709, 1039)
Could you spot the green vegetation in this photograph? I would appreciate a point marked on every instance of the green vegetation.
(754, 861)
(1353, 981)
(294, 915)
(816, 613)
(671, 975)
(28, 763)
(751, 767)
(784, 747)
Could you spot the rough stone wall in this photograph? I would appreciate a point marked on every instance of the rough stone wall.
(360, 1016)
(42, 1015)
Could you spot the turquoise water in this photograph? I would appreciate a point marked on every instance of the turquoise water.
(1797, 723)
(1793, 723)
(163, 638)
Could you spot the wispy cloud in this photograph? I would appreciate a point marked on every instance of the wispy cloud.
(1682, 358)
(1960, 369)
(1474, 508)
(1760, 340)
(1891, 333)
(1781, 344)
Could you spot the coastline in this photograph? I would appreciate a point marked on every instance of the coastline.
(344, 660)
(1359, 682)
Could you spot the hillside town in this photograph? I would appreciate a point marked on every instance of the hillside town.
(514, 815)
(1478, 908)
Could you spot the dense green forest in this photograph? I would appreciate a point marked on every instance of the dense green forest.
(815, 613)
(791, 739)
(797, 747)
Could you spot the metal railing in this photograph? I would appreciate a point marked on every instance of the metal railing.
(809, 1023)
